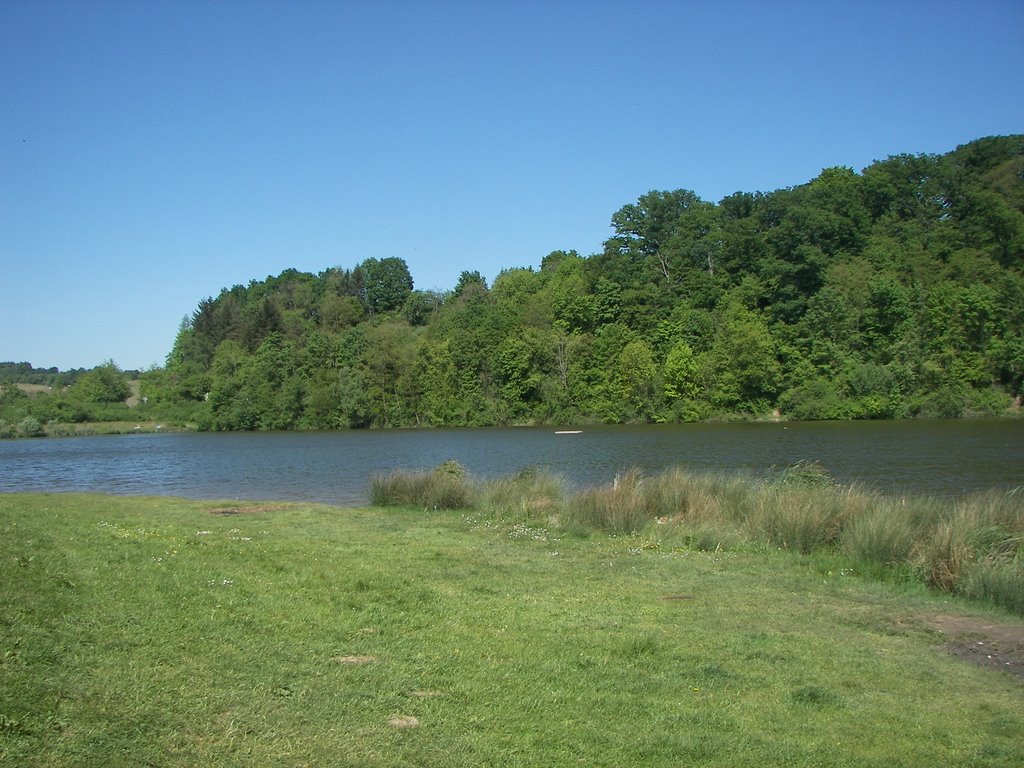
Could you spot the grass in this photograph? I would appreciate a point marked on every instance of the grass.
(445, 487)
(970, 545)
(139, 631)
(61, 429)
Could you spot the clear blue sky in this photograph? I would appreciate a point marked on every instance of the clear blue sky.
(152, 153)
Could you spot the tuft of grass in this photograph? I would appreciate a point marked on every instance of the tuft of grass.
(997, 579)
(531, 495)
(624, 507)
(800, 517)
(446, 487)
(881, 532)
(805, 474)
(687, 497)
(979, 534)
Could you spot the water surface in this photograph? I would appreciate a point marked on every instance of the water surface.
(938, 457)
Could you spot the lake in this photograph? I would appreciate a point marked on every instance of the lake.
(936, 457)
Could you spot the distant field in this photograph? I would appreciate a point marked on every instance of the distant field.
(139, 631)
(34, 389)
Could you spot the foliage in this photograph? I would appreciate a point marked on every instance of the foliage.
(892, 292)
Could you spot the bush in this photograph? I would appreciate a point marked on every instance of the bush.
(30, 427)
(988, 402)
(815, 400)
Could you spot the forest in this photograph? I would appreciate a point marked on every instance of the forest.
(893, 292)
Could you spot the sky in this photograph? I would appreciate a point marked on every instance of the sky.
(153, 153)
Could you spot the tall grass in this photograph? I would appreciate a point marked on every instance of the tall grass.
(531, 495)
(800, 518)
(623, 507)
(884, 532)
(971, 545)
(446, 487)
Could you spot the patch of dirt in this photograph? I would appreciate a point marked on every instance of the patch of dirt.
(354, 660)
(987, 644)
(246, 509)
(403, 721)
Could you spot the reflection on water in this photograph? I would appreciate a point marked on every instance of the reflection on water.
(940, 457)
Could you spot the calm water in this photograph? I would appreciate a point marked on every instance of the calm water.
(939, 457)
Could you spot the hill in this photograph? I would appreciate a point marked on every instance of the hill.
(891, 292)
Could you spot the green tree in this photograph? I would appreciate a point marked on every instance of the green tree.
(386, 366)
(103, 384)
(746, 373)
(635, 376)
(682, 373)
(386, 284)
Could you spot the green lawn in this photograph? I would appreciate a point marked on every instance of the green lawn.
(138, 631)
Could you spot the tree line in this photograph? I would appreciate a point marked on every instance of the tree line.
(893, 292)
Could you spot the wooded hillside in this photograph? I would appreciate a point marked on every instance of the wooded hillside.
(891, 292)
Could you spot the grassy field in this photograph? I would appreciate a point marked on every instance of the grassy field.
(163, 632)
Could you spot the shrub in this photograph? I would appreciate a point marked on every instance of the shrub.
(988, 402)
(30, 427)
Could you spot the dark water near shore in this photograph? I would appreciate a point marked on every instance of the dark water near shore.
(935, 457)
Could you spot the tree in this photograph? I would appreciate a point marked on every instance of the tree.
(103, 384)
(340, 312)
(635, 374)
(682, 372)
(386, 284)
(746, 372)
(386, 367)
(644, 230)
(470, 283)
(896, 290)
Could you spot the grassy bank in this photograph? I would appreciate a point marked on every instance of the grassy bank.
(167, 632)
(111, 428)
(969, 545)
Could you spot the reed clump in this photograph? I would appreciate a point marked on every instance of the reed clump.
(445, 487)
(532, 494)
(627, 506)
